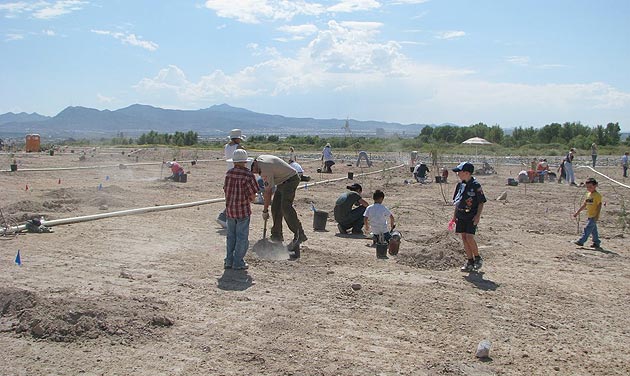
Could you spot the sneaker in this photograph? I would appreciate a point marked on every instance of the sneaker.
(596, 246)
(478, 263)
(573, 184)
(245, 266)
(468, 267)
(221, 222)
(342, 230)
(577, 242)
(227, 266)
(357, 232)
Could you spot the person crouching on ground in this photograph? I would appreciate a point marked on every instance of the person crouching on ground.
(593, 205)
(376, 216)
(347, 217)
(240, 189)
(176, 170)
(468, 200)
(278, 173)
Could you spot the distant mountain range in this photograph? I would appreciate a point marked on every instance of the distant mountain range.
(214, 121)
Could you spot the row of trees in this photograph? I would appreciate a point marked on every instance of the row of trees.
(177, 139)
(567, 134)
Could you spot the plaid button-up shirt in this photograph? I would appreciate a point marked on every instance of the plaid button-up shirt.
(240, 184)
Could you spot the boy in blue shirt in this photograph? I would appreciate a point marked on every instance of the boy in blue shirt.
(468, 200)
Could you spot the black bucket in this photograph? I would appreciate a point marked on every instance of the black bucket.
(51, 152)
(351, 175)
(183, 178)
(13, 167)
(411, 168)
(438, 179)
(320, 218)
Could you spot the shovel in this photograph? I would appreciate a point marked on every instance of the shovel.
(265, 230)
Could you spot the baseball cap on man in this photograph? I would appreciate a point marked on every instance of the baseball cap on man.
(240, 155)
(465, 166)
(355, 187)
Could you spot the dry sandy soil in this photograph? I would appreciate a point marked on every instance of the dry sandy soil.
(147, 294)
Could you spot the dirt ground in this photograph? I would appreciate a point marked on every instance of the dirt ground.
(147, 294)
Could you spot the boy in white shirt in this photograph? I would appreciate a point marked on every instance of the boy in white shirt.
(377, 216)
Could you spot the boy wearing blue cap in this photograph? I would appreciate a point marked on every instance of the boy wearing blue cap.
(468, 200)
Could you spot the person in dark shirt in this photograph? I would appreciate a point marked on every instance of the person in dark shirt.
(468, 200)
(348, 216)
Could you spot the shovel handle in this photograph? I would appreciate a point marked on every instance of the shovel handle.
(265, 230)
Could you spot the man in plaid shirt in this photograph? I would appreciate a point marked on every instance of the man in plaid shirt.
(240, 189)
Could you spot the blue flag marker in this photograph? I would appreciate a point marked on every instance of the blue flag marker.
(313, 207)
(100, 186)
(18, 259)
(107, 178)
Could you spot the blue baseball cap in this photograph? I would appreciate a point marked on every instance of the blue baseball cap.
(465, 166)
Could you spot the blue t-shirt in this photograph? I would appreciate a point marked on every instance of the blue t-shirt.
(467, 197)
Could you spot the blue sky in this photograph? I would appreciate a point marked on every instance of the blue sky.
(512, 63)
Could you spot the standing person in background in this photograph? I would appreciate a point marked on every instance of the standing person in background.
(236, 136)
(292, 154)
(568, 167)
(561, 171)
(278, 173)
(240, 188)
(625, 162)
(594, 153)
(327, 158)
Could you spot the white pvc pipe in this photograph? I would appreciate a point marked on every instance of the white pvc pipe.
(306, 184)
(606, 176)
(93, 217)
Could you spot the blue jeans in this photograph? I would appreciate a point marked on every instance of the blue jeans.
(568, 167)
(237, 241)
(591, 228)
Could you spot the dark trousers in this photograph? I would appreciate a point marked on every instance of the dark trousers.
(282, 207)
(353, 220)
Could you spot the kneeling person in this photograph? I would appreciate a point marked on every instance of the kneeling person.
(347, 217)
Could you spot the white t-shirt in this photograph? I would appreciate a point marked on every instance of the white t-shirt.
(378, 216)
(296, 166)
(229, 153)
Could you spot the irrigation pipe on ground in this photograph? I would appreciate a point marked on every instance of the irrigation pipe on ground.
(606, 176)
(150, 209)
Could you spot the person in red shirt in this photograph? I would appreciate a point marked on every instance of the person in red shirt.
(176, 170)
(240, 189)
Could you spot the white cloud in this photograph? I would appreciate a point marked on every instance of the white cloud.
(398, 2)
(306, 29)
(13, 37)
(130, 39)
(57, 9)
(255, 11)
(346, 68)
(450, 34)
(347, 6)
(41, 9)
(103, 99)
(50, 33)
(518, 60)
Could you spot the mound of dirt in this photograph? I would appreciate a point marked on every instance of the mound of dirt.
(439, 251)
(66, 320)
